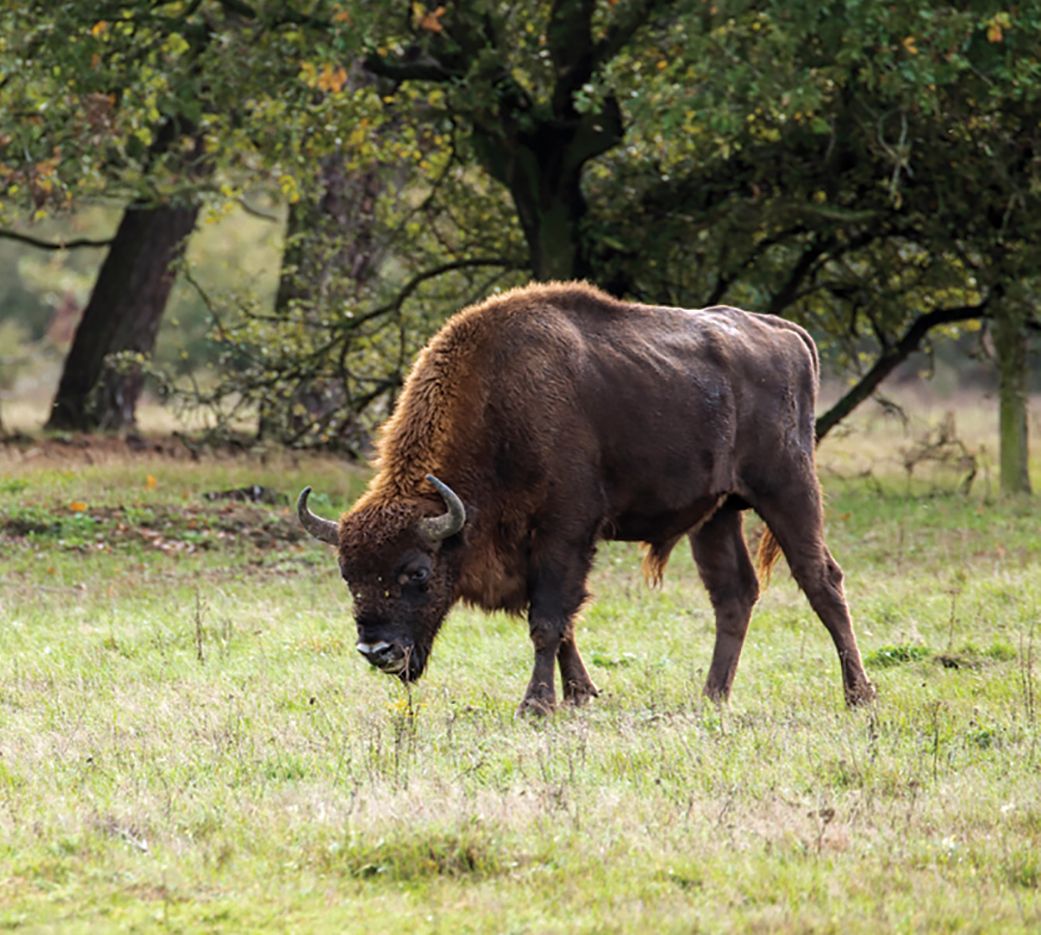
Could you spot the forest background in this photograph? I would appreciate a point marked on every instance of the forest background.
(264, 209)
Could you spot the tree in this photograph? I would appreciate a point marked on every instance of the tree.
(868, 169)
(1010, 345)
(122, 317)
(128, 102)
(827, 164)
(331, 252)
(824, 166)
(518, 76)
(324, 365)
(92, 70)
(126, 306)
(390, 223)
(872, 171)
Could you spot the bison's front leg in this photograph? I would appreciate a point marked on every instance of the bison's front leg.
(541, 696)
(578, 686)
(557, 592)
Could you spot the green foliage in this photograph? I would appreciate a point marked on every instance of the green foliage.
(862, 169)
(823, 157)
(89, 92)
(854, 166)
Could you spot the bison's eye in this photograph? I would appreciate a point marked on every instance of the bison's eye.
(413, 581)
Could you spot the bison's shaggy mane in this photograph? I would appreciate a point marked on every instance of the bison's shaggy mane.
(447, 377)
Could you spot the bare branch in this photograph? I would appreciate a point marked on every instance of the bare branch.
(257, 212)
(416, 281)
(41, 244)
(424, 68)
(896, 354)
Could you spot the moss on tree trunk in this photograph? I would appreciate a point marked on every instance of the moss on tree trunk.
(1010, 345)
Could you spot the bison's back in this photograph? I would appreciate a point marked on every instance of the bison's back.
(659, 410)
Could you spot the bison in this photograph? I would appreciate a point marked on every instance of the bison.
(550, 417)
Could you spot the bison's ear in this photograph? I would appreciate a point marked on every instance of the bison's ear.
(436, 528)
(324, 530)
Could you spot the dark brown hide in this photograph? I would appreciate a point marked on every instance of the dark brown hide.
(561, 416)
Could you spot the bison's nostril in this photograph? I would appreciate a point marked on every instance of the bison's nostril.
(373, 650)
(387, 657)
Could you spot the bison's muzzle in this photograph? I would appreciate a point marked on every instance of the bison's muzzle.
(393, 658)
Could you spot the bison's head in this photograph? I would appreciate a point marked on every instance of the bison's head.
(401, 564)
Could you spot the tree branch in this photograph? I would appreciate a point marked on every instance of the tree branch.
(41, 244)
(405, 69)
(257, 212)
(784, 296)
(416, 281)
(892, 357)
(569, 37)
(237, 6)
(286, 17)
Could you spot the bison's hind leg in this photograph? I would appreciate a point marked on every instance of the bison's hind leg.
(795, 518)
(726, 569)
(578, 686)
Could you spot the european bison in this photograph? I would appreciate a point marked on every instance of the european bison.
(543, 420)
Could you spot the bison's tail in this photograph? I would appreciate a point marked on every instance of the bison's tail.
(766, 556)
(655, 560)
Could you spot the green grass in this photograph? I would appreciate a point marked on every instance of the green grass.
(188, 739)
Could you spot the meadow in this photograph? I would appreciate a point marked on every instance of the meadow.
(189, 741)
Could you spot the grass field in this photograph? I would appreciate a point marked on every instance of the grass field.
(189, 741)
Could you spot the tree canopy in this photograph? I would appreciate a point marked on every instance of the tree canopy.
(871, 170)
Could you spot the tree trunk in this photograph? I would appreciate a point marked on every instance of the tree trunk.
(542, 168)
(330, 240)
(550, 205)
(330, 253)
(123, 314)
(1010, 346)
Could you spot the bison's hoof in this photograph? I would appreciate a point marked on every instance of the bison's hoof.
(579, 693)
(536, 706)
(861, 695)
(716, 694)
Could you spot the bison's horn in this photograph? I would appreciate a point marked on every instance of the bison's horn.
(324, 530)
(436, 528)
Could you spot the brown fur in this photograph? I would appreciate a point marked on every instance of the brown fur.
(766, 556)
(655, 558)
(560, 416)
